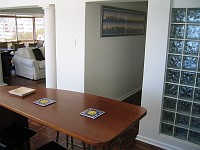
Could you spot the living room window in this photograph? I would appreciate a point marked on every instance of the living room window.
(21, 28)
(24, 29)
(7, 29)
(39, 29)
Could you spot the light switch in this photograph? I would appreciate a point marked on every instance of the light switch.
(72, 42)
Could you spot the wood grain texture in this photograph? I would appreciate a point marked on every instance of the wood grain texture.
(46, 134)
(64, 114)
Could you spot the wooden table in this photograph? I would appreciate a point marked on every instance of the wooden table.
(64, 115)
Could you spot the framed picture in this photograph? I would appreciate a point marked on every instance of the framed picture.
(121, 22)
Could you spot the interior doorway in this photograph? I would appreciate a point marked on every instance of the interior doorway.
(113, 65)
(18, 20)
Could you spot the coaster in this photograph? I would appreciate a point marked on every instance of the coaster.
(44, 101)
(92, 113)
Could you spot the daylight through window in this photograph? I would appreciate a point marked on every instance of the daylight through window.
(13, 28)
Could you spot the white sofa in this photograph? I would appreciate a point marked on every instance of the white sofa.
(26, 64)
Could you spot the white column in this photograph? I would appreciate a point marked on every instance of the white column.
(1, 74)
(50, 46)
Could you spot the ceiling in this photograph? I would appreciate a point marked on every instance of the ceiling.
(34, 11)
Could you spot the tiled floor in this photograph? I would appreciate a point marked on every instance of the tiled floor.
(45, 134)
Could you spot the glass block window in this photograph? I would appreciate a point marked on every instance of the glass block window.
(180, 116)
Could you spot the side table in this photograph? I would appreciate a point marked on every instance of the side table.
(1, 74)
(4, 50)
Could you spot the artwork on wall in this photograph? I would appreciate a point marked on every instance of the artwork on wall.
(122, 22)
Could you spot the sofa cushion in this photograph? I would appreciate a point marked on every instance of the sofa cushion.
(41, 64)
(22, 52)
(29, 52)
(43, 51)
(38, 54)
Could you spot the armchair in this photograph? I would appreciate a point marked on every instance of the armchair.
(26, 64)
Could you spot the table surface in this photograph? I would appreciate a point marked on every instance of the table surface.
(64, 115)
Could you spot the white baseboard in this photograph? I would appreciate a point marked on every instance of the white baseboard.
(156, 143)
(129, 94)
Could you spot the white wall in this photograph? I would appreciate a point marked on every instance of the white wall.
(70, 27)
(113, 65)
(24, 3)
(70, 44)
(154, 69)
(70, 24)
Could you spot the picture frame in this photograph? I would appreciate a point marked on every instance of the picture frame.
(121, 22)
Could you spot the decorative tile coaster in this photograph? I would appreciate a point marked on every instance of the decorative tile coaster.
(44, 101)
(92, 113)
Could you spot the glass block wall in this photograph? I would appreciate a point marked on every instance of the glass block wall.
(181, 97)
